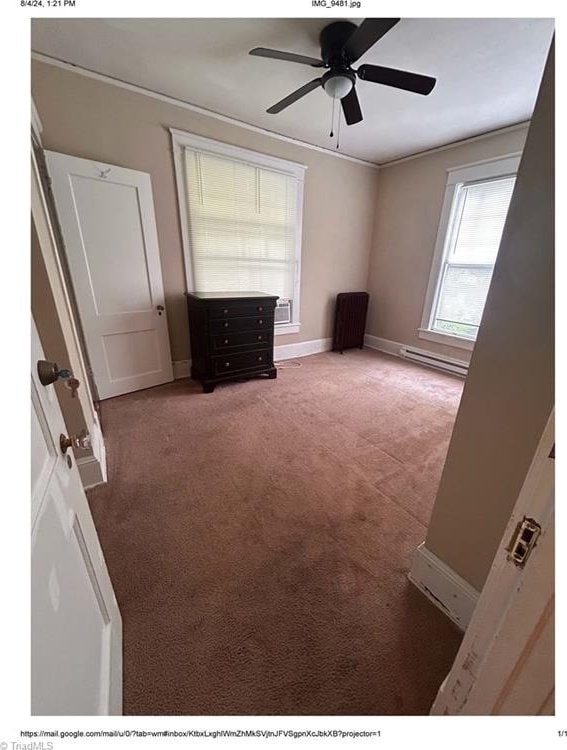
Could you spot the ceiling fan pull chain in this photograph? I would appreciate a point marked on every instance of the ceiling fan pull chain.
(332, 118)
(339, 129)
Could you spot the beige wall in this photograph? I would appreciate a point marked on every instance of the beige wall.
(95, 120)
(407, 217)
(509, 391)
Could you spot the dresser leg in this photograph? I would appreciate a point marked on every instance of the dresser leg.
(272, 374)
(208, 387)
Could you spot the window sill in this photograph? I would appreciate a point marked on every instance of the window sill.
(287, 328)
(445, 338)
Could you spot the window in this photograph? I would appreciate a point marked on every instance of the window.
(472, 221)
(241, 218)
(474, 237)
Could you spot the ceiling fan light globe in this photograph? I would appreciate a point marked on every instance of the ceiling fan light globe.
(338, 86)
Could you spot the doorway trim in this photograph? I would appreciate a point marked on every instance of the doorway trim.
(487, 665)
(46, 238)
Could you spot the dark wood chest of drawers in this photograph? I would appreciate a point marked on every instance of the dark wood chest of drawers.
(232, 336)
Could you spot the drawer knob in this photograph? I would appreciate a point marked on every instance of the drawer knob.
(259, 359)
(225, 311)
(260, 309)
(226, 325)
(259, 337)
(260, 322)
(227, 364)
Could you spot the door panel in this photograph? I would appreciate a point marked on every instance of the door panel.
(67, 611)
(132, 354)
(43, 454)
(76, 628)
(108, 225)
(110, 219)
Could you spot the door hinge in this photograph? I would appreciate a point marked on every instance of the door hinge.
(523, 541)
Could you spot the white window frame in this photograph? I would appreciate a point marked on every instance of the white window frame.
(502, 166)
(182, 140)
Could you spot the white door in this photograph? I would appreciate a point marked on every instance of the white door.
(505, 664)
(76, 628)
(108, 224)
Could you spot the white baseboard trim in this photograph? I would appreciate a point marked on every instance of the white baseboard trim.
(181, 369)
(93, 468)
(91, 471)
(302, 349)
(382, 345)
(441, 585)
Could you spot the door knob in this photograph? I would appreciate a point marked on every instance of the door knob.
(160, 309)
(81, 440)
(49, 372)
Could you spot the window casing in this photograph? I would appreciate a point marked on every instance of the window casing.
(476, 202)
(241, 218)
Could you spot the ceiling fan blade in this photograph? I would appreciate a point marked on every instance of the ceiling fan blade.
(399, 79)
(367, 34)
(293, 97)
(351, 107)
(276, 54)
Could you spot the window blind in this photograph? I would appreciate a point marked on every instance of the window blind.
(473, 239)
(242, 225)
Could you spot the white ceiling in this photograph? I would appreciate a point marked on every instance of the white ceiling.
(488, 73)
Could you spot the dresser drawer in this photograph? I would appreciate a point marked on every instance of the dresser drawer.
(260, 358)
(242, 324)
(230, 341)
(241, 311)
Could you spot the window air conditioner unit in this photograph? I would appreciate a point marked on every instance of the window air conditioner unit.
(283, 312)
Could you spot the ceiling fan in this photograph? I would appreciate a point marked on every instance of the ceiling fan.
(342, 44)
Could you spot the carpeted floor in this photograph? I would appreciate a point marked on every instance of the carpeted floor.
(259, 539)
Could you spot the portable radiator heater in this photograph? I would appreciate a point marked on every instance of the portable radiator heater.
(350, 320)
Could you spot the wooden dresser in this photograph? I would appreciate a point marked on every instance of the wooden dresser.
(232, 336)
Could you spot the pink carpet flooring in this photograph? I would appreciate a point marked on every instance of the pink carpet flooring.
(259, 539)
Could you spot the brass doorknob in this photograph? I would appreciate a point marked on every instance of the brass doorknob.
(49, 372)
(81, 440)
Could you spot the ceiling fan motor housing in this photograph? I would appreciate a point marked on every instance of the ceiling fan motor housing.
(332, 39)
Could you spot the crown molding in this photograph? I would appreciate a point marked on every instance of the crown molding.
(455, 144)
(55, 62)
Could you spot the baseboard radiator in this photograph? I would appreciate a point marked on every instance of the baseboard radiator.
(431, 359)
